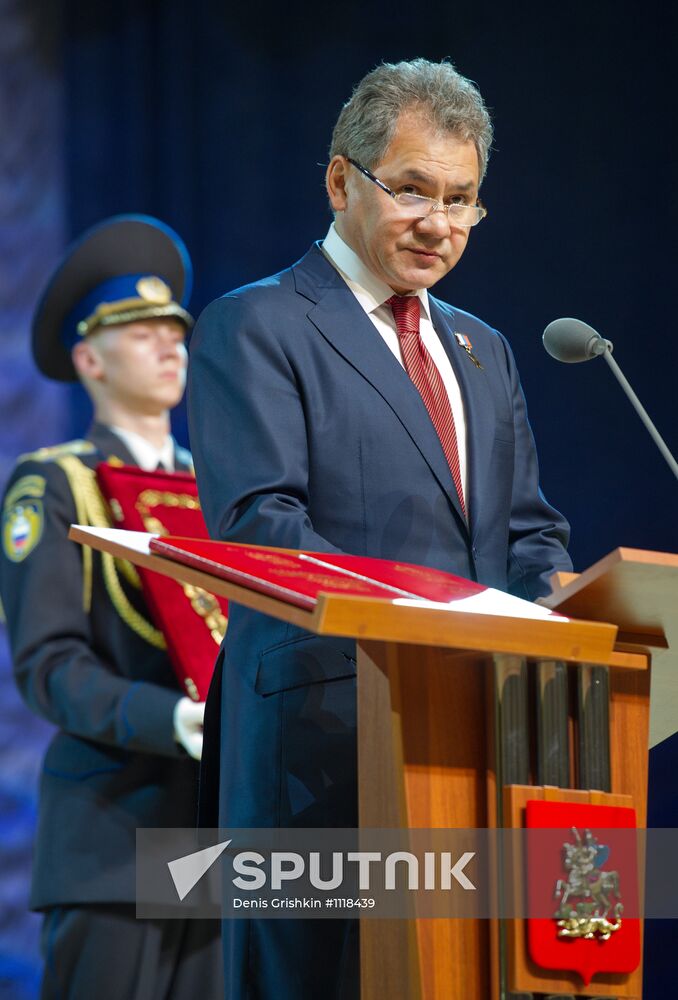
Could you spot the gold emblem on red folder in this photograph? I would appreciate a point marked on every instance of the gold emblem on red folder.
(192, 620)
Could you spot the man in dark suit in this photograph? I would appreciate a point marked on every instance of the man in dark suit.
(366, 417)
(86, 656)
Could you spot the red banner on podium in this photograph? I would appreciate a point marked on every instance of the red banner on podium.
(192, 620)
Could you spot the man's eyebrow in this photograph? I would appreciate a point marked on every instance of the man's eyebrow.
(417, 175)
(423, 178)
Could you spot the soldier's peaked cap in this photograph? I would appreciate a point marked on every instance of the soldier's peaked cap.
(126, 268)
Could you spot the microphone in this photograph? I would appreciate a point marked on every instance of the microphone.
(571, 341)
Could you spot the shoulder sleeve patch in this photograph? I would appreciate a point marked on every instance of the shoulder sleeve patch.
(26, 486)
(23, 517)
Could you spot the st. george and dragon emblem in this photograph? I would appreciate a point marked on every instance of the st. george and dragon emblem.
(590, 898)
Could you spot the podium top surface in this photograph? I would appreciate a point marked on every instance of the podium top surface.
(638, 590)
(495, 622)
(635, 588)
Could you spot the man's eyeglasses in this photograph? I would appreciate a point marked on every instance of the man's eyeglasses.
(417, 206)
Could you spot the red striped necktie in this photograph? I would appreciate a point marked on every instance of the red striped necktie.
(421, 368)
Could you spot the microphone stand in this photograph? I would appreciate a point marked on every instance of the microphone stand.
(639, 408)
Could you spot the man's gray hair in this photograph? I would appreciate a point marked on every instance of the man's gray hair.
(443, 98)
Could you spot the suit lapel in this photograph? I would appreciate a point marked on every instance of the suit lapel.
(339, 317)
(478, 409)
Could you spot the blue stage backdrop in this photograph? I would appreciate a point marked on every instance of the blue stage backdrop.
(217, 118)
(33, 411)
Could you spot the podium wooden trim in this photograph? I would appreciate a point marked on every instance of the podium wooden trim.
(438, 692)
(414, 622)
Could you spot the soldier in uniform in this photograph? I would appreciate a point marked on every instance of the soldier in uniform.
(86, 656)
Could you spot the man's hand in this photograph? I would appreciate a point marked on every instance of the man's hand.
(188, 718)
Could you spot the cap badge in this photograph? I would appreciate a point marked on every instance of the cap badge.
(153, 289)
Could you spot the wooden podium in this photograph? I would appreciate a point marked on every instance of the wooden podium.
(462, 717)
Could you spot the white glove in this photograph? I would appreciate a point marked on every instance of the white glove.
(188, 718)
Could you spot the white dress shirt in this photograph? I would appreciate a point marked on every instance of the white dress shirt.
(146, 455)
(372, 294)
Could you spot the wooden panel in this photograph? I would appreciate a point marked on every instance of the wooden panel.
(524, 974)
(445, 748)
(444, 741)
(431, 759)
(629, 729)
(389, 960)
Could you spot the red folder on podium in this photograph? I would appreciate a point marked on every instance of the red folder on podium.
(299, 578)
(192, 620)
